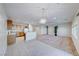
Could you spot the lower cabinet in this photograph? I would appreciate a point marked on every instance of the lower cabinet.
(11, 39)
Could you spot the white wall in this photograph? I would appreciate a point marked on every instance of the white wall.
(43, 30)
(63, 29)
(37, 29)
(75, 32)
(51, 30)
(3, 33)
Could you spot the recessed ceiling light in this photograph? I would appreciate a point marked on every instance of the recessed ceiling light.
(43, 21)
(54, 18)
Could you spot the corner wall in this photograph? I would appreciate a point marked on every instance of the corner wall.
(3, 31)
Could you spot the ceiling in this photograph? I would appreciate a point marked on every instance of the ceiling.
(32, 12)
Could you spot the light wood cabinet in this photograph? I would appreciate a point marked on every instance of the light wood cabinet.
(9, 24)
(19, 34)
(11, 39)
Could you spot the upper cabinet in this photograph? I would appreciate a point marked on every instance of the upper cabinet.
(9, 24)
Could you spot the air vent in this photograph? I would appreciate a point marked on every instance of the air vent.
(77, 14)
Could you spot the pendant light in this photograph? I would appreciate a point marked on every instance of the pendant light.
(43, 19)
